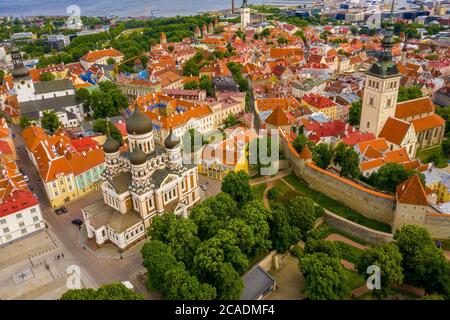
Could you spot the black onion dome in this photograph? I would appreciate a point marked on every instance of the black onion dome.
(138, 123)
(172, 140)
(111, 145)
(138, 157)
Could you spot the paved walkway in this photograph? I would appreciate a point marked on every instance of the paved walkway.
(339, 238)
(289, 281)
(266, 179)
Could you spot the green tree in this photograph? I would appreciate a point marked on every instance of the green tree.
(282, 233)
(108, 101)
(114, 291)
(117, 291)
(79, 294)
(313, 245)
(83, 96)
(446, 147)
(102, 126)
(348, 160)
(300, 142)
(50, 121)
(322, 155)
(230, 121)
(282, 40)
(355, 112)
(2, 74)
(191, 85)
(257, 217)
(183, 240)
(180, 285)
(324, 277)
(265, 33)
(389, 176)
(206, 84)
(157, 260)
(47, 76)
(25, 122)
(302, 213)
(237, 185)
(388, 258)
(424, 265)
(408, 93)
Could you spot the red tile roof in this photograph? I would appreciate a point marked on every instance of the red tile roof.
(84, 144)
(16, 201)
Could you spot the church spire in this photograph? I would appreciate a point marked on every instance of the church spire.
(384, 66)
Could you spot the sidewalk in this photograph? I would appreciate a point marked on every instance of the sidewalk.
(279, 175)
(108, 251)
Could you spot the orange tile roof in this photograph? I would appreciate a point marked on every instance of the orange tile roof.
(414, 107)
(397, 156)
(394, 130)
(377, 144)
(433, 121)
(412, 192)
(188, 110)
(93, 56)
(412, 165)
(283, 52)
(84, 161)
(371, 164)
(372, 153)
(278, 118)
(271, 103)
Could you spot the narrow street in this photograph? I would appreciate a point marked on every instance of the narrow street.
(94, 271)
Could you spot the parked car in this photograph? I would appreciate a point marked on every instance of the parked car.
(60, 211)
(77, 222)
(26, 178)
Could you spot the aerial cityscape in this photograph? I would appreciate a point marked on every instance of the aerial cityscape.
(225, 150)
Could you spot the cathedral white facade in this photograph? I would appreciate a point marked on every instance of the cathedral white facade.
(140, 184)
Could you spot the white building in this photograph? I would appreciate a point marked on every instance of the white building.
(20, 215)
(36, 98)
(139, 185)
(245, 18)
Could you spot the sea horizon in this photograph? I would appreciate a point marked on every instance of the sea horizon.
(124, 8)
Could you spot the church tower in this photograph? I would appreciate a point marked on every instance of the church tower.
(173, 148)
(381, 87)
(23, 84)
(111, 147)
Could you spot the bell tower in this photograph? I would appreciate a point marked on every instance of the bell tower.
(381, 87)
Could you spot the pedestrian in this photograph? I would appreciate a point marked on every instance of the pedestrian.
(79, 228)
(62, 255)
(84, 247)
(57, 256)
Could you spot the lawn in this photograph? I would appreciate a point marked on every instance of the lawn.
(354, 279)
(283, 193)
(335, 206)
(348, 252)
(434, 154)
(258, 191)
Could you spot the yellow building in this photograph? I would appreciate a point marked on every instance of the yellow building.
(439, 181)
(218, 159)
(318, 103)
